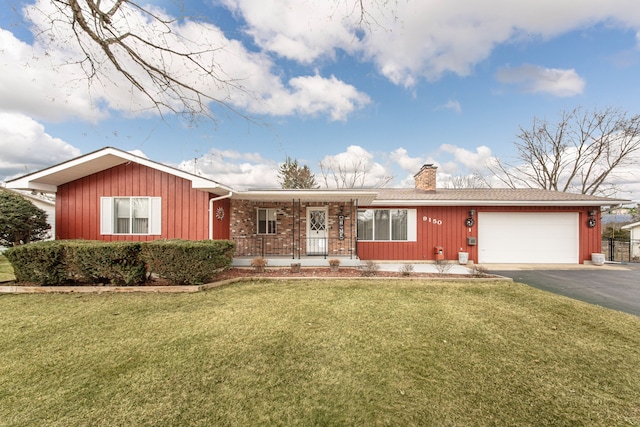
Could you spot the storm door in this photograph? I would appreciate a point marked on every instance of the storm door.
(317, 231)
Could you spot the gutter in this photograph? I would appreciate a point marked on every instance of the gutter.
(211, 201)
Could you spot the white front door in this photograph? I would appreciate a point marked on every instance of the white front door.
(317, 231)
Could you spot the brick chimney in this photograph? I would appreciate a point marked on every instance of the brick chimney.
(426, 178)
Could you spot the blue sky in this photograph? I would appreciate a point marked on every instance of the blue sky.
(429, 82)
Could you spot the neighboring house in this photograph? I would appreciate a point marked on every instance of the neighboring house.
(634, 237)
(114, 195)
(43, 201)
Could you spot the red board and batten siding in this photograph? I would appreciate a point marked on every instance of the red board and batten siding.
(445, 226)
(184, 210)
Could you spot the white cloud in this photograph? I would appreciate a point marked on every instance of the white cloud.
(451, 161)
(138, 153)
(33, 83)
(303, 31)
(535, 79)
(46, 79)
(422, 39)
(451, 105)
(238, 170)
(310, 96)
(355, 167)
(406, 41)
(26, 147)
(468, 159)
(407, 163)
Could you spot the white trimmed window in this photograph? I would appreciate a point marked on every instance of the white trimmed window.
(130, 215)
(387, 224)
(266, 221)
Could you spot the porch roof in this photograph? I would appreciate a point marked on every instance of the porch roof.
(363, 197)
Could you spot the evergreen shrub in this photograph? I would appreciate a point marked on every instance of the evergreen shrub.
(188, 262)
(117, 263)
(42, 262)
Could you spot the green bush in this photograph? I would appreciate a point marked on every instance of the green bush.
(60, 262)
(118, 263)
(186, 262)
(42, 263)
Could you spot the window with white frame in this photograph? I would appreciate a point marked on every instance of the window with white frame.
(130, 215)
(266, 221)
(387, 224)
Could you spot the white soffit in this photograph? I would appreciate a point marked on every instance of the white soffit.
(49, 179)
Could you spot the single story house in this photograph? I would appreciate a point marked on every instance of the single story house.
(111, 194)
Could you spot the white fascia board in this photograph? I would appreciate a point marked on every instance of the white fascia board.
(307, 196)
(208, 185)
(630, 226)
(559, 203)
(27, 184)
(48, 179)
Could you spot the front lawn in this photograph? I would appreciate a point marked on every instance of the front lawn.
(6, 271)
(318, 353)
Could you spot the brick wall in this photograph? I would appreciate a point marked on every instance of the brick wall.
(291, 228)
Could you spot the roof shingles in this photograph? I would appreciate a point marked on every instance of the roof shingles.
(493, 195)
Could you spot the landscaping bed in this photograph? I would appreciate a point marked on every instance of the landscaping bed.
(270, 273)
(322, 272)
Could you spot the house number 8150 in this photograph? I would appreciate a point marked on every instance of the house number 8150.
(432, 220)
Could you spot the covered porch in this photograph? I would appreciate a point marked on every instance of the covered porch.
(309, 226)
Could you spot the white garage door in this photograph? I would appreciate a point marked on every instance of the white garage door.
(528, 238)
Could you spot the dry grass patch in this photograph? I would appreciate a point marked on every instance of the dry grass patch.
(318, 353)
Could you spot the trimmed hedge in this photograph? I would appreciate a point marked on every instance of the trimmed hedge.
(187, 262)
(42, 262)
(118, 263)
(60, 262)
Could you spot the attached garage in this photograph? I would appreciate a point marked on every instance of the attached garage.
(531, 237)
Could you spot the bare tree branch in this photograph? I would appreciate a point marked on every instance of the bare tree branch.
(174, 73)
(353, 175)
(581, 153)
(467, 181)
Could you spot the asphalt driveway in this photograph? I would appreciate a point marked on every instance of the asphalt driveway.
(616, 287)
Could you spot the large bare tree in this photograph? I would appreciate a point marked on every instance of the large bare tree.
(174, 69)
(583, 152)
(173, 62)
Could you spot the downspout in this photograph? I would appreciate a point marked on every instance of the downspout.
(211, 202)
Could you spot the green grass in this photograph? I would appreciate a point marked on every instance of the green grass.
(6, 271)
(318, 353)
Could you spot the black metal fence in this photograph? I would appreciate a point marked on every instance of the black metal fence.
(621, 250)
(281, 246)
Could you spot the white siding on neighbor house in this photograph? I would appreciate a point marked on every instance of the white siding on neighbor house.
(634, 236)
(48, 205)
(528, 237)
